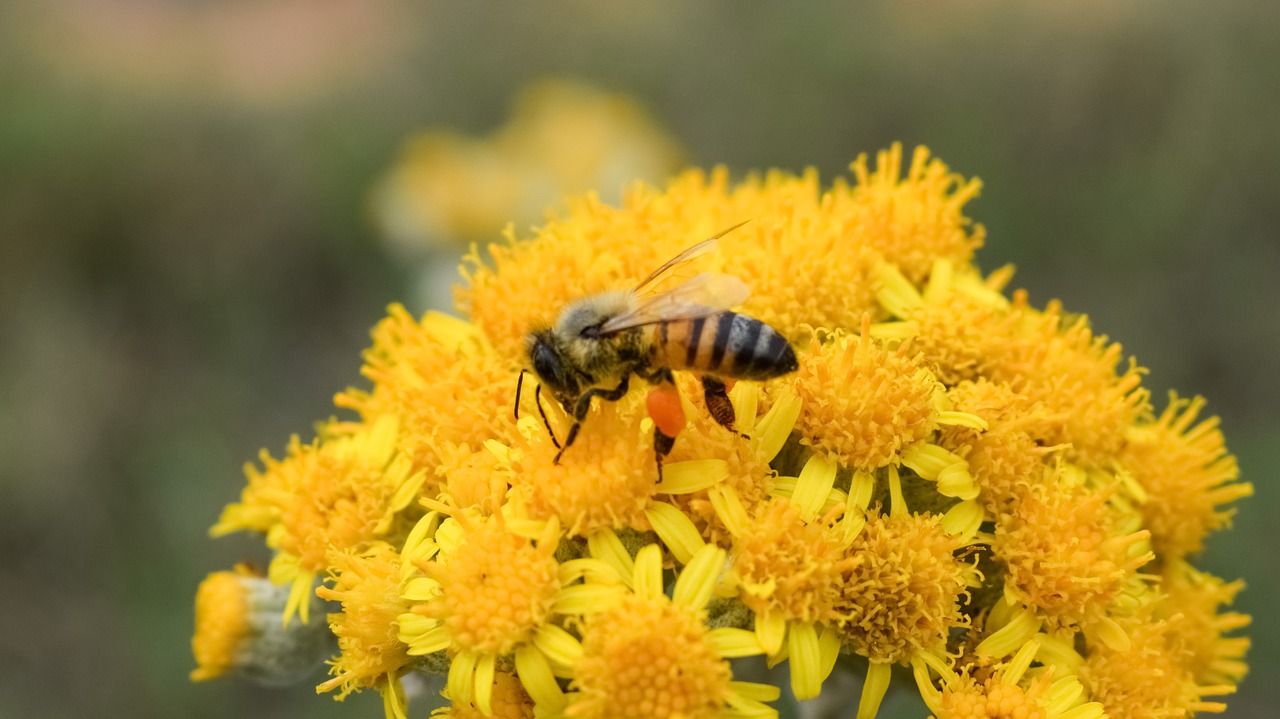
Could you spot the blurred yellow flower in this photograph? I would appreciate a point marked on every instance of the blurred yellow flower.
(563, 138)
(953, 480)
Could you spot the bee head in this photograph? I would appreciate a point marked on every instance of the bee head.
(552, 368)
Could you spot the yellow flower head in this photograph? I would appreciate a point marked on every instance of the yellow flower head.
(959, 321)
(496, 587)
(787, 566)
(238, 631)
(1072, 373)
(901, 588)
(222, 624)
(1149, 679)
(917, 220)
(442, 380)
(1009, 691)
(745, 459)
(1191, 608)
(1187, 475)
(864, 402)
(1063, 553)
(1008, 457)
(649, 656)
(368, 586)
(340, 492)
(603, 481)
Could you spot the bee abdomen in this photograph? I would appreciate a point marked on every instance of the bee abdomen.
(727, 344)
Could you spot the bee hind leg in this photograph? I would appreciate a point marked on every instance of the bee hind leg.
(716, 395)
(662, 444)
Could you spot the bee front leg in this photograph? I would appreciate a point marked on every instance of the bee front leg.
(583, 406)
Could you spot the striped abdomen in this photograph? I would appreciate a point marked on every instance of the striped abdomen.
(726, 344)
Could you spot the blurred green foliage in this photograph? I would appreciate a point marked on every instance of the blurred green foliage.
(188, 271)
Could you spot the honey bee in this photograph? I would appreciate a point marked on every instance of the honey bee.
(597, 343)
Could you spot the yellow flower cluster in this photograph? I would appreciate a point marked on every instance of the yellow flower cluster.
(952, 481)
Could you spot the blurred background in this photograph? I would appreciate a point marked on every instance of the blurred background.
(198, 228)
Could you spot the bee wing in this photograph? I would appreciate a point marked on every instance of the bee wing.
(706, 294)
(697, 250)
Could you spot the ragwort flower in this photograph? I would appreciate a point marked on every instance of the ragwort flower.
(953, 481)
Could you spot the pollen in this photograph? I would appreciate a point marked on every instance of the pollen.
(495, 589)
(863, 402)
(901, 588)
(786, 565)
(222, 624)
(649, 658)
(368, 586)
(1187, 474)
(604, 480)
(1063, 553)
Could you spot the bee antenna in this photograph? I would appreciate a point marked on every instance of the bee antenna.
(537, 397)
(519, 386)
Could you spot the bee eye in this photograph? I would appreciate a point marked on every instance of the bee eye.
(547, 365)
